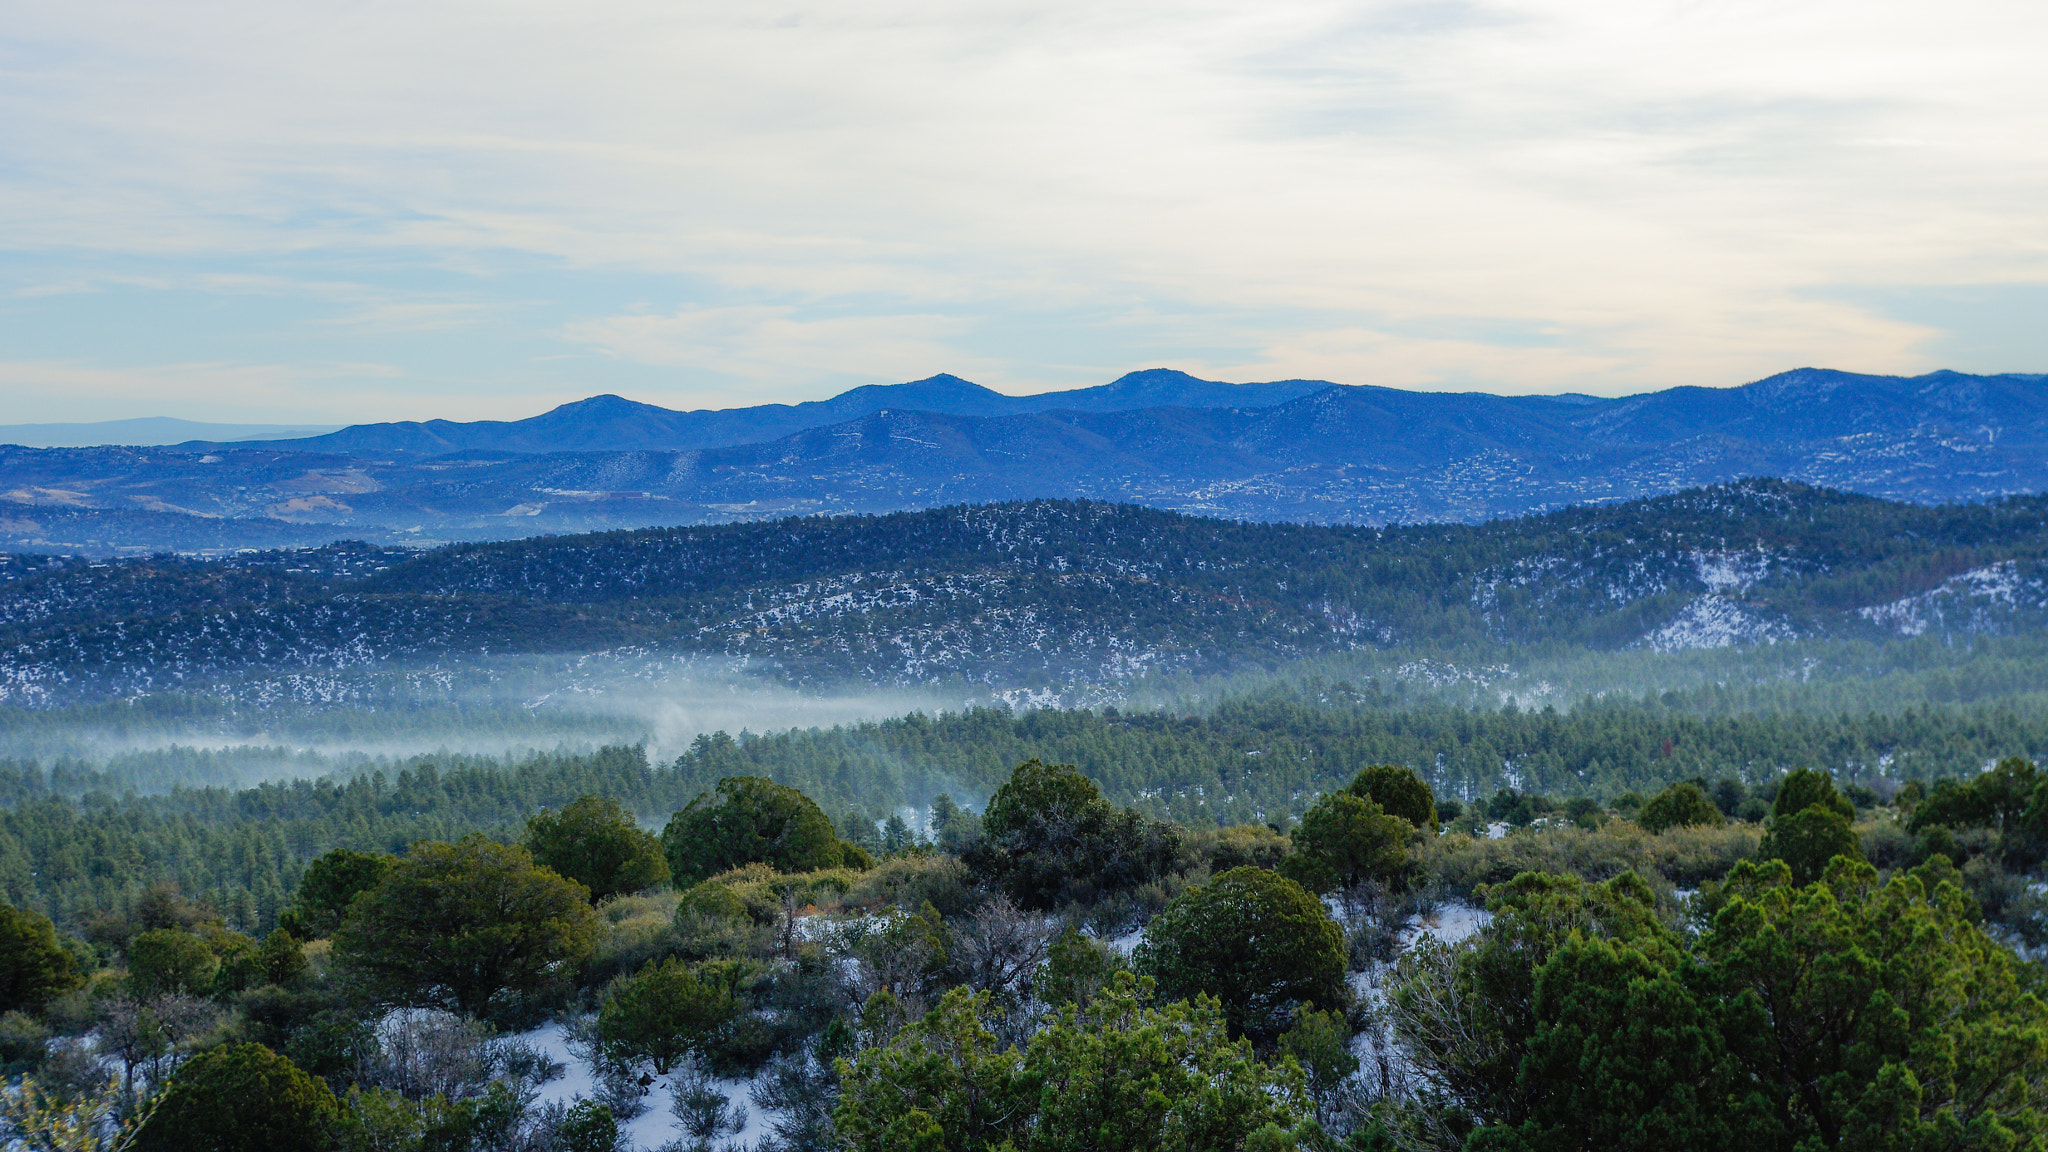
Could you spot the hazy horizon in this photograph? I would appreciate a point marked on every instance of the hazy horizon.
(75, 434)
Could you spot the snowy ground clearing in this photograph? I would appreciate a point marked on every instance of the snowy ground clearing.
(653, 1128)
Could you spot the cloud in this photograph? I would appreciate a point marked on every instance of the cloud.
(1794, 333)
(766, 343)
(1662, 188)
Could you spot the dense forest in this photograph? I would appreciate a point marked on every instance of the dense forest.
(78, 837)
(1055, 971)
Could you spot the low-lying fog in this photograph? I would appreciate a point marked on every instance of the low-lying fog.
(286, 728)
(308, 724)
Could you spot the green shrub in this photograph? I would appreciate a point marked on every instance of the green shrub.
(662, 1014)
(913, 881)
(23, 1041)
(241, 1098)
(1887, 844)
(1253, 939)
(1238, 846)
(168, 960)
(761, 894)
(636, 929)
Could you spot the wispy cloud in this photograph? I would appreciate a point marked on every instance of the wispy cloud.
(762, 343)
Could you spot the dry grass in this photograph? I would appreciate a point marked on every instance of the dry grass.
(1683, 857)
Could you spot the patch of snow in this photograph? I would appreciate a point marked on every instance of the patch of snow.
(655, 1127)
(1127, 943)
(1438, 674)
(1029, 699)
(1453, 921)
(1715, 622)
(1971, 601)
(1730, 572)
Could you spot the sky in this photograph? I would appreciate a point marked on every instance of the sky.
(370, 210)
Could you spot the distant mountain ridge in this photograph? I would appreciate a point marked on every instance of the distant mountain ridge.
(147, 431)
(1316, 453)
(615, 424)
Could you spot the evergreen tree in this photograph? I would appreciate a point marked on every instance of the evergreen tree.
(1805, 788)
(1255, 940)
(1468, 1015)
(1344, 841)
(596, 843)
(1122, 1076)
(1398, 792)
(473, 927)
(749, 819)
(1809, 839)
(1877, 1015)
(164, 961)
(1682, 805)
(34, 967)
(1049, 838)
(331, 882)
(244, 1098)
(942, 1082)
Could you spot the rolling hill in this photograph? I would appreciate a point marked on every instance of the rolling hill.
(1044, 595)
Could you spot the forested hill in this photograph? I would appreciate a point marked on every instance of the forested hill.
(1807, 541)
(1040, 595)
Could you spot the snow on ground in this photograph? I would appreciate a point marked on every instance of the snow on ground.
(1126, 943)
(1976, 600)
(1716, 622)
(1731, 572)
(1453, 920)
(657, 1126)
(1377, 1046)
(652, 1128)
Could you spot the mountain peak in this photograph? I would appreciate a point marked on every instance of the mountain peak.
(604, 405)
(1156, 377)
(1172, 388)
